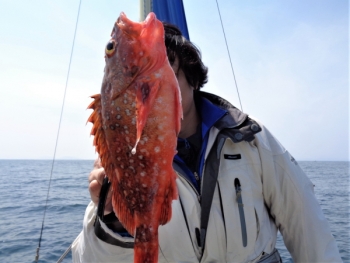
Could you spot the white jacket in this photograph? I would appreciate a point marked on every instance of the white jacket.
(275, 192)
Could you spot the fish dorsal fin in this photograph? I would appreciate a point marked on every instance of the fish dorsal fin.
(100, 142)
(145, 96)
(96, 120)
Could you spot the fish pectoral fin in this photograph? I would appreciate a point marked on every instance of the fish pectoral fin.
(166, 209)
(145, 96)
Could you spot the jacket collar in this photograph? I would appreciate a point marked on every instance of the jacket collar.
(210, 113)
(232, 118)
(235, 123)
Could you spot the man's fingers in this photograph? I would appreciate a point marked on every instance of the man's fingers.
(97, 163)
(95, 189)
(97, 174)
(95, 183)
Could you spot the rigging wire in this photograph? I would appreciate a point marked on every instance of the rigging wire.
(228, 51)
(58, 132)
(64, 254)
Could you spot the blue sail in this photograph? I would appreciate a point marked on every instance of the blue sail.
(171, 11)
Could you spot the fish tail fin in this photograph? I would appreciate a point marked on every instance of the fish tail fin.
(166, 209)
(146, 244)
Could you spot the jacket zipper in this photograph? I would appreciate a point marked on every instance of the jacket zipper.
(193, 187)
(241, 211)
(197, 179)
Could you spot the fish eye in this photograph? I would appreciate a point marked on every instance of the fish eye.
(110, 47)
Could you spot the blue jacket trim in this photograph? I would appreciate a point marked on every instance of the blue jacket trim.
(210, 114)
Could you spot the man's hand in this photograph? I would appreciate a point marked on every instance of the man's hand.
(95, 183)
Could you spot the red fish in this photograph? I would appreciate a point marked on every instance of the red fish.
(136, 120)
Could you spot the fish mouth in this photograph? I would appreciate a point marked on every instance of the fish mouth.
(134, 28)
(127, 26)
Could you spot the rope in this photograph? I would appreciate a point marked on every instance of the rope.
(228, 51)
(58, 132)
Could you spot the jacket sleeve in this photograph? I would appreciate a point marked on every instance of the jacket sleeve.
(289, 196)
(88, 248)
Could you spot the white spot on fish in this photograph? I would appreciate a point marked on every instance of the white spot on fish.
(118, 158)
(125, 95)
(122, 166)
(131, 161)
(161, 138)
(142, 174)
(119, 116)
(144, 185)
(118, 109)
(125, 102)
(140, 157)
(127, 111)
(157, 149)
(112, 103)
(133, 104)
(145, 152)
(127, 139)
(133, 121)
(142, 165)
(125, 127)
(126, 132)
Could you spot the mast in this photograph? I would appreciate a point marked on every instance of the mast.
(145, 8)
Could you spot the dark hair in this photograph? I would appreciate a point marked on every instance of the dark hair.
(190, 60)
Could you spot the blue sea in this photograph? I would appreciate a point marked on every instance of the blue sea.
(23, 191)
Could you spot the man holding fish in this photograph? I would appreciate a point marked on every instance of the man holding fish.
(234, 184)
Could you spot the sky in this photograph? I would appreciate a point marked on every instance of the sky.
(290, 58)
